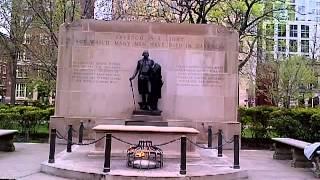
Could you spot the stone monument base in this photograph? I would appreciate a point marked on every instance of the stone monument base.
(228, 128)
(78, 165)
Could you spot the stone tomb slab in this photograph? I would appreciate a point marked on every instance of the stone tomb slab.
(156, 134)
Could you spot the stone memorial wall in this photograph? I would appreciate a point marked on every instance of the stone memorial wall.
(199, 69)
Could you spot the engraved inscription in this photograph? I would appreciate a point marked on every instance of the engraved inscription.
(96, 72)
(199, 76)
(156, 41)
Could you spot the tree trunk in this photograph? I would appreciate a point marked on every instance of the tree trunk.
(13, 78)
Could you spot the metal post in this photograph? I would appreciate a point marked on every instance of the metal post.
(107, 153)
(236, 163)
(183, 156)
(220, 143)
(52, 145)
(69, 143)
(81, 132)
(210, 137)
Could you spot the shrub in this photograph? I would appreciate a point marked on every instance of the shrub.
(299, 123)
(286, 126)
(315, 127)
(256, 120)
(9, 120)
(24, 118)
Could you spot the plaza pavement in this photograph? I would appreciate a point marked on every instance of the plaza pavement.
(24, 164)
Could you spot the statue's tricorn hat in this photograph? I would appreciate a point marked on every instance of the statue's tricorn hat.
(145, 52)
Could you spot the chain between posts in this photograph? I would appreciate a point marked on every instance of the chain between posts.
(80, 144)
(158, 145)
(203, 147)
(116, 138)
(224, 139)
(123, 141)
(169, 142)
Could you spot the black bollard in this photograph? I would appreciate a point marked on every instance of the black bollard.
(183, 155)
(220, 143)
(210, 137)
(236, 163)
(81, 132)
(69, 143)
(52, 145)
(107, 154)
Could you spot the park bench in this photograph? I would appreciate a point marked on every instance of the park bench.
(6, 140)
(292, 149)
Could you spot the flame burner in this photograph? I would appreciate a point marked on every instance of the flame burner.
(144, 156)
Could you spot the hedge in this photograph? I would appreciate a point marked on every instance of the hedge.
(24, 118)
(266, 122)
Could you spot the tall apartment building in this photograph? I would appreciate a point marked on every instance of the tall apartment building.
(296, 32)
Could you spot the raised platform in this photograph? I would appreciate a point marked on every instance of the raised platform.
(156, 134)
(78, 165)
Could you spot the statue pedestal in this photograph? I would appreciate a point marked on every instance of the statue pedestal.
(144, 112)
(146, 118)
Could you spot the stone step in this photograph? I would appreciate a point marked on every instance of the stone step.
(145, 123)
(149, 113)
(146, 118)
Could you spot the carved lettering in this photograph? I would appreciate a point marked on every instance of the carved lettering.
(199, 76)
(153, 41)
(96, 72)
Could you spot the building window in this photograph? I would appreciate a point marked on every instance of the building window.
(282, 45)
(305, 46)
(21, 72)
(270, 30)
(21, 56)
(304, 31)
(270, 45)
(293, 30)
(301, 9)
(282, 30)
(27, 56)
(21, 91)
(27, 39)
(44, 39)
(4, 69)
(293, 45)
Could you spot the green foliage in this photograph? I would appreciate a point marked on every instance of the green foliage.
(293, 72)
(9, 120)
(24, 118)
(43, 88)
(286, 126)
(266, 122)
(315, 125)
